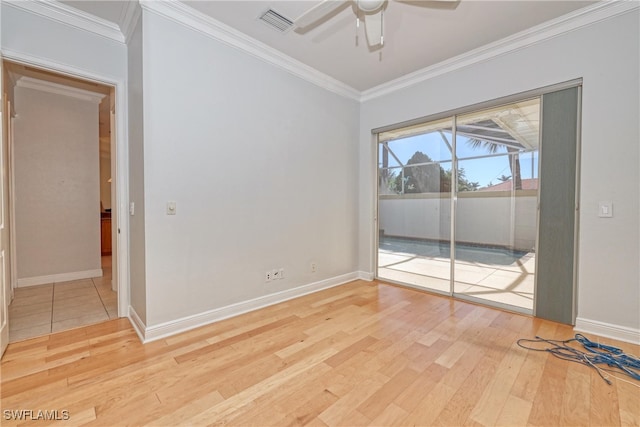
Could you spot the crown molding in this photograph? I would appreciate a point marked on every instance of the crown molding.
(58, 89)
(547, 30)
(129, 18)
(191, 18)
(182, 14)
(70, 16)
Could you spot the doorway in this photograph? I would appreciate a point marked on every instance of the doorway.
(61, 148)
(459, 205)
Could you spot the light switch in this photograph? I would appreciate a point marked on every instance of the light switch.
(171, 208)
(132, 208)
(605, 209)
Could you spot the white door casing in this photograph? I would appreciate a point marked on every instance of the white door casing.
(5, 290)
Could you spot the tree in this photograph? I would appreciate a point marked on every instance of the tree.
(514, 159)
(463, 183)
(427, 177)
(504, 178)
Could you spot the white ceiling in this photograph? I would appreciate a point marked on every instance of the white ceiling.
(416, 37)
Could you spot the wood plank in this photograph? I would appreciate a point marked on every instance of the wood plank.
(392, 415)
(496, 393)
(333, 414)
(431, 406)
(575, 403)
(347, 353)
(515, 412)
(547, 402)
(377, 403)
(628, 393)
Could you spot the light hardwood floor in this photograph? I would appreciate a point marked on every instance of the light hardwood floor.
(364, 353)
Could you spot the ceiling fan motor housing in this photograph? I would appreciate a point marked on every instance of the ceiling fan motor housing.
(370, 5)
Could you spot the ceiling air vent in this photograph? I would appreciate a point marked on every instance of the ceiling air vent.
(277, 21)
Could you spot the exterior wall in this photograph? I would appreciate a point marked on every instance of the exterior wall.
(484, 220)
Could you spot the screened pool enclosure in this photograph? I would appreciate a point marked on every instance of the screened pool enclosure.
(457, 204)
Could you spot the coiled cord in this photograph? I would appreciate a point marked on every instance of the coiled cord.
(596, 354)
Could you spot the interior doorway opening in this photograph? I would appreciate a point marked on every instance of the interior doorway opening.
(62, 204)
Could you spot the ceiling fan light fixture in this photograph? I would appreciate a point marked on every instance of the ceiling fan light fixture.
(370, 5)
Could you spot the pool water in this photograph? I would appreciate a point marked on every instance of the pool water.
(464, 252)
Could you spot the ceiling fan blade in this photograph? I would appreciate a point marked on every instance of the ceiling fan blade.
(319, 11)
(435, 4)
(373, 28)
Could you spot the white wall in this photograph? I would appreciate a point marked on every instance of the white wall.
(34, 36)
(57, 192)
(488, 220)
(606, 56)
(262, 165)
(136, 174)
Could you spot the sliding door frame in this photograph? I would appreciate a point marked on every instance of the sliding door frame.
(453, 114)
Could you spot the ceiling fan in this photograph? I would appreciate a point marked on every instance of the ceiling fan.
(372, 10)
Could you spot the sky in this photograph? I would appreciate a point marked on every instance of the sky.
(484, 171)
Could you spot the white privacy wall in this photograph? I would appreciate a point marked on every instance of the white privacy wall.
(500, 221)
(263, 167)
(57, 193)
(606, 56)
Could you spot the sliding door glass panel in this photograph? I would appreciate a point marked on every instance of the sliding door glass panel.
(496, 207)
(414, 206)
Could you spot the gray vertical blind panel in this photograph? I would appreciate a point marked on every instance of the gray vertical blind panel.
(556, 244)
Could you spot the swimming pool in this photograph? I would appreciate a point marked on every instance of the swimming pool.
(464, 252)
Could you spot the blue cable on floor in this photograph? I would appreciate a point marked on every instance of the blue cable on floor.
(597, 354)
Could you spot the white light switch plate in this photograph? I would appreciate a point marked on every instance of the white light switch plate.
(605, 209)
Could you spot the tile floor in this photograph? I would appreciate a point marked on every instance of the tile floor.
(54, 307)
(506, 284)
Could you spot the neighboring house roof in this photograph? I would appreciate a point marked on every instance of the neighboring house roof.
(527, 184)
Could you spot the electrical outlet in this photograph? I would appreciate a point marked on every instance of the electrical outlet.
(268, 276)
(281, 271)
(314, 267)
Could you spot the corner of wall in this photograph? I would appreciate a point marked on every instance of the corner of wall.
(137, 323)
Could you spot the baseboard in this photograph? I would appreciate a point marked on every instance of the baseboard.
(163, 330)
(56, 278)
(364, 275)
(138, 324)
(608, 330)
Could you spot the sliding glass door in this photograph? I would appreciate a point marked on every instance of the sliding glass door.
(496, 208)
(414, 206)
(457, 204)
